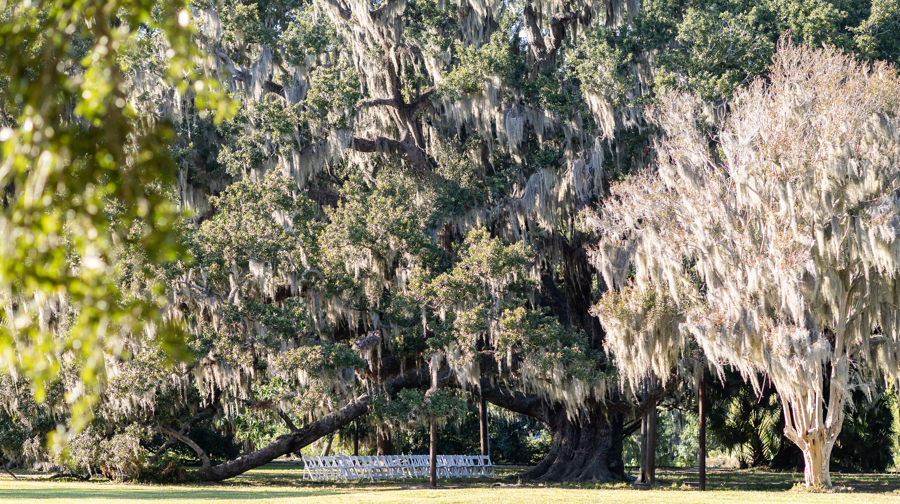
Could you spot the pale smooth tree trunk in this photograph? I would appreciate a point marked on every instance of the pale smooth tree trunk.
(805, 422)
(804, 425)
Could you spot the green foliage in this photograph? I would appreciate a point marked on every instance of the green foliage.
(247, 227)
(259, 131)
(723, 44)
(602, 65)
(517, 440)
(475, 64)
(29, 419)
(372, 232)
(866, 441)
(72, 146)
(411, 406)
(724, 48)
(119, 455)
(332, 96)
(307, 35)
(748, 426)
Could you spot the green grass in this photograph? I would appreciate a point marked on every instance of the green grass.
(281, 483)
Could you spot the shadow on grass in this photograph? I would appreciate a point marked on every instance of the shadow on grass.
(282, 481)
(94, 493)
(761, 480)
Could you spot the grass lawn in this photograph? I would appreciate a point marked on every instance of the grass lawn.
(281, 483)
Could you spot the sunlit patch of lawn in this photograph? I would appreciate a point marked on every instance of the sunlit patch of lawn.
(282, 483)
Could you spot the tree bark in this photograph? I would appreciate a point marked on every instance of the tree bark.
(356, 438)
(433, 452)
(383, 444)
(702, 441)
(647, 476)
(817, 456)
(588, 448)
(585, 448)
(483, 426)
(326, 451)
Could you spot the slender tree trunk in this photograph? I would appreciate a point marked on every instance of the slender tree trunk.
(483, 425)
(702, 440)
(651, 446)
(433, 448)
(327, 450)
(648, 449)
(647, 476)
(356, 438)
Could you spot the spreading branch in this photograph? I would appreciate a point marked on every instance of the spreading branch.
(412, 153)
(204, 458)
(287, 420)
(241, 75)
(546, 48)
(199, 417)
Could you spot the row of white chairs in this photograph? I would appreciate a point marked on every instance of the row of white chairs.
(395, 466)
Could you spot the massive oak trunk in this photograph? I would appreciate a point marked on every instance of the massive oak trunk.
(586, 448)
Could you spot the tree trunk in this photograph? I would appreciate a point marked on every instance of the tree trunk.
(815, 438)
(483, 426)
(383, 443)
(647, 476)
(326, 451)
(702, 441)
(356, 438)
(817, 456)
(433, 453)
(588, 448)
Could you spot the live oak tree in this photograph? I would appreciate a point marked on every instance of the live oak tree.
(340, 264)
(768, 236)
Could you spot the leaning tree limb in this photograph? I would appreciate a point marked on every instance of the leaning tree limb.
(298, 438)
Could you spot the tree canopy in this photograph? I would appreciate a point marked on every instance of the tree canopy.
(768, 235)
(314, 211)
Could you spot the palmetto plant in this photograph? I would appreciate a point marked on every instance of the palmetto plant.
(748, 425)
